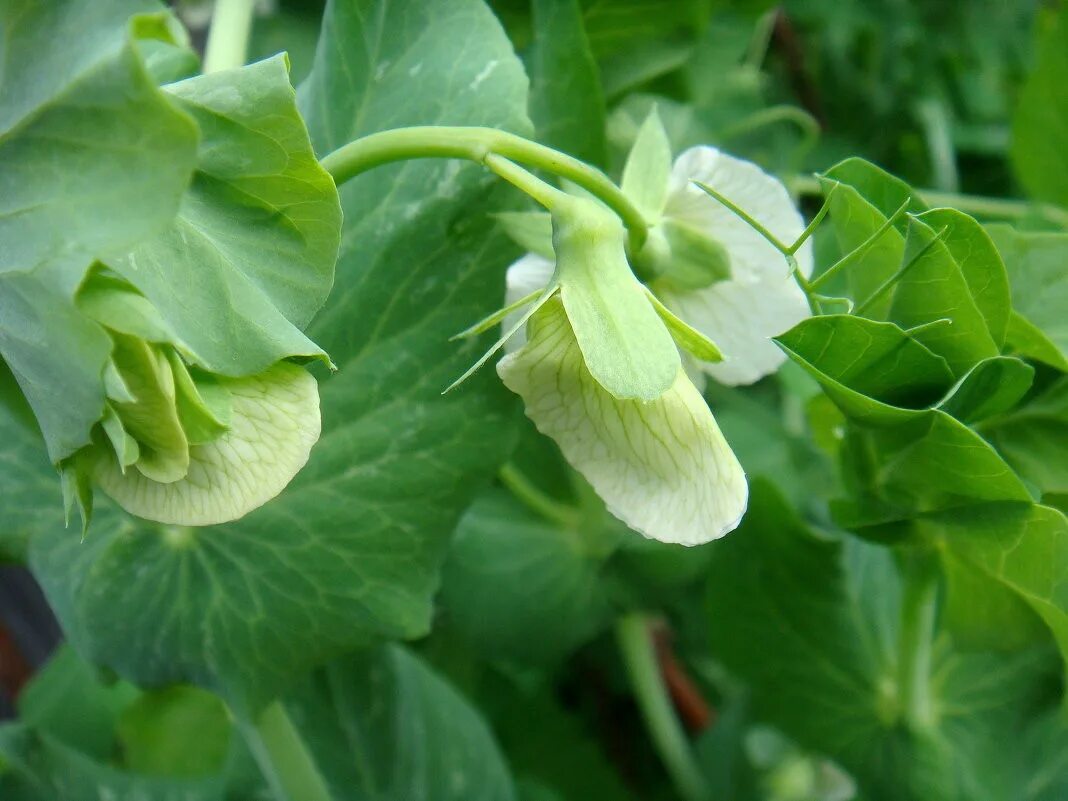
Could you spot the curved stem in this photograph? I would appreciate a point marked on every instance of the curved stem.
(227, 46)
(636, 647)
(477, 144)
(919, 605)
(537, 501)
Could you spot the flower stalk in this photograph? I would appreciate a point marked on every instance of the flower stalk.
(477, 145)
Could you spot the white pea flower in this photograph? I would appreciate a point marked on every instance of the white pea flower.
(706, 264)
(600, 373)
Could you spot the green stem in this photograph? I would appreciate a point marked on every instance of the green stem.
(476, 144)
(990, 207)
(227, 46)
(919, 605)
(283, 758)
(537, 501)
(636, 648)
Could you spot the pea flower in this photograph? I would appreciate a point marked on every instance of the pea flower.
(704, 262)
(600, 373)
(177, 444)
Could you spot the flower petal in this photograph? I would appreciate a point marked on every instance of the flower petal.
(274, 423)
(762, 196)
(741, 317)
(528, 274)
(662, 467)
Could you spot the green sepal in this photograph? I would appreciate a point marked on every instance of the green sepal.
(625, 345)
(546, 293)
(531, 230)
(115, 385)
(127, 451)
(204, 405)
(490, 320)
(648, 167)
(77, 489)
(153, 419)
(114, 303)
(686, 337)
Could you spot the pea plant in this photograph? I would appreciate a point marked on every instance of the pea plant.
(531, 404)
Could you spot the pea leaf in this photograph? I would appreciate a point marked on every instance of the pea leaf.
(255, 240)
(93, 157)
(822, 660)
(1040, 125)
(382, 725)
(344, 554)
(1034, 436)
(520, 588)
(566, 101)
(921, 459)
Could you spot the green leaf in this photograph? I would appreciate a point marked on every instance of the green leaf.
(344, 554)
(381, 725)
(818, 648)
(884, 191)
(67, 701)
(875, 372)
(980, 263)
(990, 388)
(648, 167)
(1024, 547)
(518, 587)
(1035, 263)
(1033, 438)
(1040, 125)
(43, 769)
(256, 237)
(566, 99)
(179, 731)
(855, 220)
(936, 288)
(922, 459)
(93, 157)
(56, 355)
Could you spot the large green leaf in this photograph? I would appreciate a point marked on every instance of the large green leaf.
(818, 646)
(1040, 124)
(566, 102)
(382, 726)
(352, 548)
(93, 157)
(1036, 265)
(250, 257)
(519, 587)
